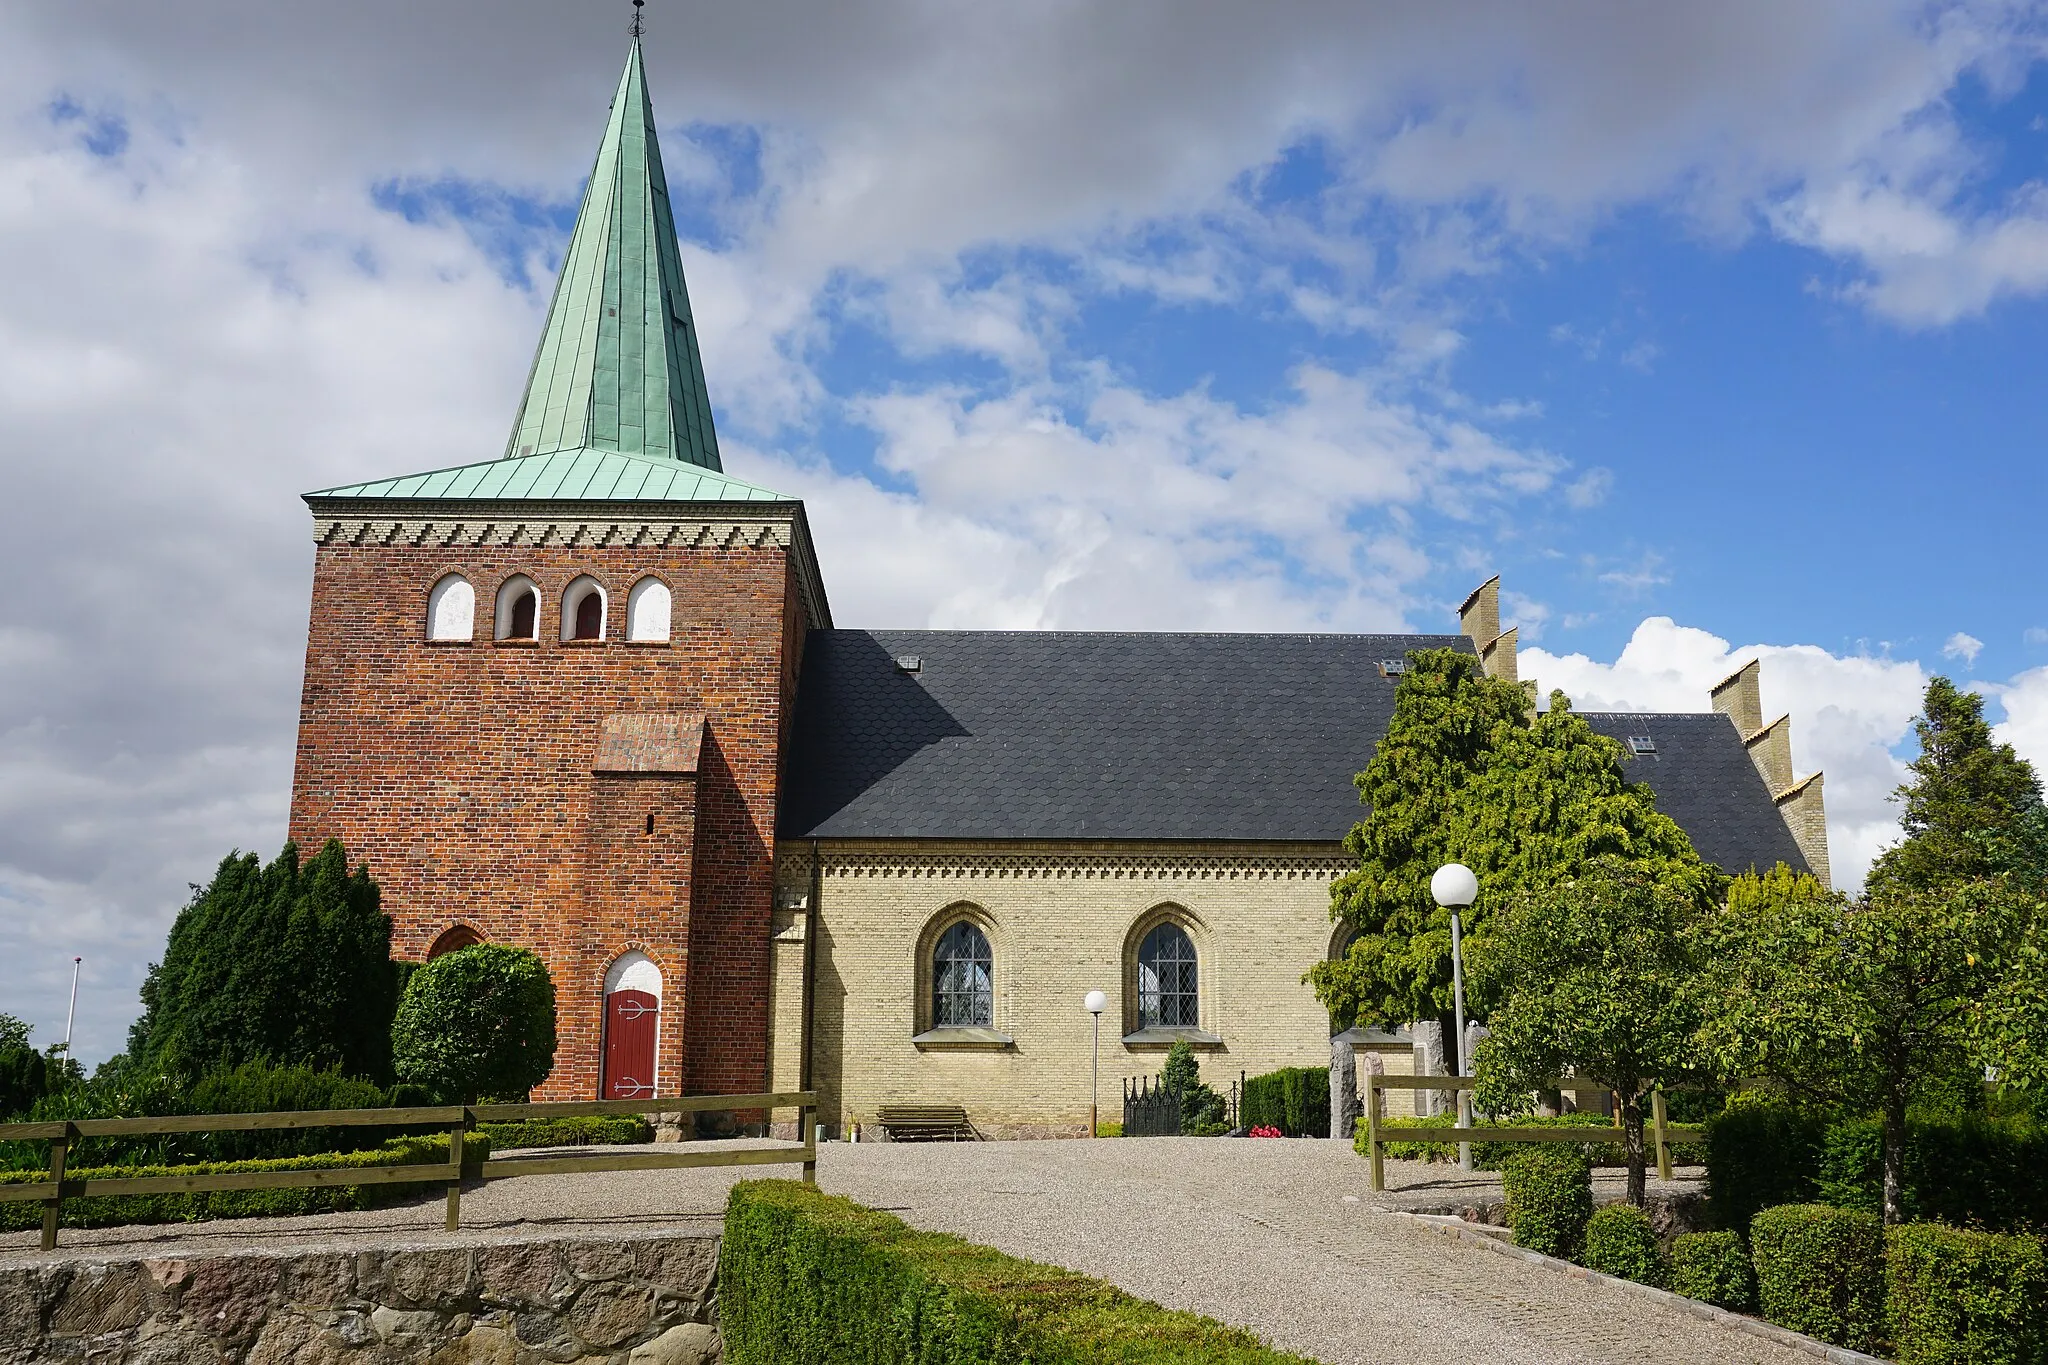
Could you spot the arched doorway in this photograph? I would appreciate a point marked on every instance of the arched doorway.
(632, 1028)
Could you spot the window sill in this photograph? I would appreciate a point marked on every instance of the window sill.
(646, 644)
(585, 644)
(516, 644)
(959, 1038)
(1164, 1037)
(450, 644)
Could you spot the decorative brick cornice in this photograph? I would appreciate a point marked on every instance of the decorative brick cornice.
(669, 526)
(1090, 861)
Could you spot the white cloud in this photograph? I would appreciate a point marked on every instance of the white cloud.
(2025, 727)
(1962, 646)
(1849, 713)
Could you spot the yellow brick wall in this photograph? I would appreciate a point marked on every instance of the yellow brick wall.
(1060, 919)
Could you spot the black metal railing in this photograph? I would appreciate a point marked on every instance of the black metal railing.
(1150, 1109)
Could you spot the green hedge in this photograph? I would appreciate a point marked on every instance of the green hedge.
(811, 1279)
(1294, 1099)
(1549, 1189)
(1714, 1268)
(1490, 1156)
(1620, 1241)
(1759, 1156)
(114, 1210)
(1964, 1169)
(1953, 1296)
(1820, 1270)
(582, 1131)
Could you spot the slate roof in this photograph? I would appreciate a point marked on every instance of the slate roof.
(1067, 735)
(1704, 779)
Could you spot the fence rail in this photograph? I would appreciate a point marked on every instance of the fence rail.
(458, 1119)
(1659, 1129)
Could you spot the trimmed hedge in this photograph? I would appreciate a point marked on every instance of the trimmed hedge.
(1820, 1270)
(1713, 1267)
(1294, 1099)
(1968, 1169)
(1549, 1190)
(812, 1279)
(589, 1130)
(114, 1210)
(1758, 1156)
(1953, 1296)
(1620, 1241)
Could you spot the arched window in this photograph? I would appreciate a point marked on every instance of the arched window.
(647, 610)
(451, 609)
(1167, 983)
(518, 609)
(583, 610)
(452, 938)
(963, 979)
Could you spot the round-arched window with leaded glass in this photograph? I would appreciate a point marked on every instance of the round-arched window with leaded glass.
(963, 979)
(1167, 981)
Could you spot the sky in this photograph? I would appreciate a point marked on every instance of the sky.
(1707, 327)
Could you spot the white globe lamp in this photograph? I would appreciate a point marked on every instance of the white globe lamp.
(1095, 1002)
(1454, 885)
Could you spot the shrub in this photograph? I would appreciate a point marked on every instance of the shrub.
(24, 1079)
(1202, 1109)
(478, 1021)
(97, 1211)
(1620, 1241)
(1953, 1296)
(1760, 1155)
(1966, 1169)
(1549, 1196)
(1820, 1270)
(261, 1087)
(588, 1130)
(1294, 1099)
(806, 1278)
(1109, 1128)
(1714, 1268)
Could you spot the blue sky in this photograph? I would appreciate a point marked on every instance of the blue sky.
(1711, 329)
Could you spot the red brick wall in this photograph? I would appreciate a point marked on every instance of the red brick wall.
(462, 775)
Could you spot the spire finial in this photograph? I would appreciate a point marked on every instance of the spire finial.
(638, 5)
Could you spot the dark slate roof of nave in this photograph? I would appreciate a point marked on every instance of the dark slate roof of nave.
(1083, 735)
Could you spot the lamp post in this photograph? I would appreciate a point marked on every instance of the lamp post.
(1454, 887)
(1095, 1002)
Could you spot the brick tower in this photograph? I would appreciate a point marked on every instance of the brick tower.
(546, 694)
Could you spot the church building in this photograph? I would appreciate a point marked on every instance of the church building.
(586, 696)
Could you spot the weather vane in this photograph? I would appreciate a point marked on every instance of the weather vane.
(638, 5)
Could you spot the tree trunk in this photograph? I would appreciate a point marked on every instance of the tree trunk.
(1894, 1160)
(1632, 1144)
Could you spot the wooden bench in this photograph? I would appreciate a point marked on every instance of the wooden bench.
(926, 1123)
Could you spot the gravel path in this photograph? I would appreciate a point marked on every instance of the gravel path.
(1261, 1234)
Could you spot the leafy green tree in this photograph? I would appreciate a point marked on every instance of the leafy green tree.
(1466, 774)
(286, 962)
(477, 1022)
(13, 1033)
(1595, 977)
(1857, 1003)
(1973, 807)
(1202, 1108)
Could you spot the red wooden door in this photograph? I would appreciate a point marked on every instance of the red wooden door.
(629, 1026)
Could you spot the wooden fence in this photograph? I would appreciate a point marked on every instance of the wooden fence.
(456, 1118)
(1658, 1130)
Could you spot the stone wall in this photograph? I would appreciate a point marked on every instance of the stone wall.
(1061, 919)
(631, 1300)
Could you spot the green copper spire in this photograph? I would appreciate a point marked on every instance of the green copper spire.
(618, 366)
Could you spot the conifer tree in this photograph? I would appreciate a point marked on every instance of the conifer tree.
(1466, 774)
(279, 962)
(1973, 807)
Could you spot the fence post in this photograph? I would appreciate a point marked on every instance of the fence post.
(807, 1132)
(455, 1135)
(59, 1148)
(1372, 1130)
(1663, 1142)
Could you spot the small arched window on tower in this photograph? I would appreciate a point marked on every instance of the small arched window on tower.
(583, 610)
(518, 609)
(647, 611)
(451, 609)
